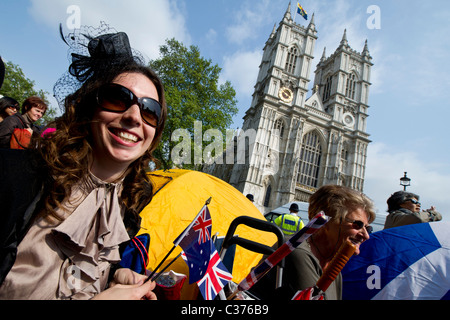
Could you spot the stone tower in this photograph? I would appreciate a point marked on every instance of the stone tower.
(289, 144)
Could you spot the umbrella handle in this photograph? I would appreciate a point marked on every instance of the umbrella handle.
(338, 262)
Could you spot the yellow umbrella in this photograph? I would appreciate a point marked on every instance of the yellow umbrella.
(178, 197)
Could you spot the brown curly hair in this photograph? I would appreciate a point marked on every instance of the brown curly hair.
(67, 151)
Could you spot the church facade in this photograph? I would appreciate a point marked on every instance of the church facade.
(291, 144)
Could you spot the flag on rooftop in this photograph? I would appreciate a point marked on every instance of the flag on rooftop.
(302, 11)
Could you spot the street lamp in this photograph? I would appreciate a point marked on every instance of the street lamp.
(405, 182)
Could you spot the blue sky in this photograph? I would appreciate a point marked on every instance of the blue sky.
(410, 92)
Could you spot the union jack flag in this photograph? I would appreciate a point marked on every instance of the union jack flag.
(203, 226)
(216, 277)
(195, 241)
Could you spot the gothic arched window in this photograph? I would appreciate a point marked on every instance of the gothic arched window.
(279, 125)
(267, 196)
(310, 157)
(327, 88)
(291, 60)
(351, 87)
(344, 158)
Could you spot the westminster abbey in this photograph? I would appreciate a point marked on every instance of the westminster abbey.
(299, 142)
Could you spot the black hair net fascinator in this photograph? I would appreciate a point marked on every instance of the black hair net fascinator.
(103, 50)
(92, 51)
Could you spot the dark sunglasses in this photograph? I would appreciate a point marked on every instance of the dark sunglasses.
(414, 201)
(358, 225)
(116, 98)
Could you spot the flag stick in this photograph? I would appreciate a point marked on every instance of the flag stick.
(173, 260)
(159, 265)
(178, 240)
(231, 297)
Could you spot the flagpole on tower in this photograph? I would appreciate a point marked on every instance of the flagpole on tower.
(295, 14)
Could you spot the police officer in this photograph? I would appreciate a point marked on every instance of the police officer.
(290, 223)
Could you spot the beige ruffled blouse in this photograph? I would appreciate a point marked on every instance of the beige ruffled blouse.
(70, 259)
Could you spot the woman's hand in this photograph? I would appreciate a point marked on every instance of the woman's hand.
(126, 276)
(128, 285)
(140, 291)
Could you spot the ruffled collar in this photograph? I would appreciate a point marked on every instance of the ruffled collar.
(92, 232)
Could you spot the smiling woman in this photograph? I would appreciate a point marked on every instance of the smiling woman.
(350, 213)
(90, 182)
(121, 137)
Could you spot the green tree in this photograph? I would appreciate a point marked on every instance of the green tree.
(193, 93)
(16, 85)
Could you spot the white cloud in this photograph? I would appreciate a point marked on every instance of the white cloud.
(248, 20)
(385, 167)
(211, 36)
(241, 69)
(382, 67)
(148, 23)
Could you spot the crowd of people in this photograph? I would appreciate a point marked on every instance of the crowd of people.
(16, 129)
(71, 199)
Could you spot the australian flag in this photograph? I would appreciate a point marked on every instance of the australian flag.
(196, 243)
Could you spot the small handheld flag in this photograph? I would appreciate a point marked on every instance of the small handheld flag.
(216, 275)
(183, 234)
(196, 244)
(201, 227)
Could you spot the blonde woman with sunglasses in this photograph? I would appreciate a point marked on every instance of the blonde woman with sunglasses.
(351, 213)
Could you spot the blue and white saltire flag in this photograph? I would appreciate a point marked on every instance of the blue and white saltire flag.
(404, 263)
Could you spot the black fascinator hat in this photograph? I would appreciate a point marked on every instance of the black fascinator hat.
(104, 50)
(92, 51)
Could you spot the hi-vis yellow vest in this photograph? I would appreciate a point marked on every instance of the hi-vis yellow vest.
(289, 223)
